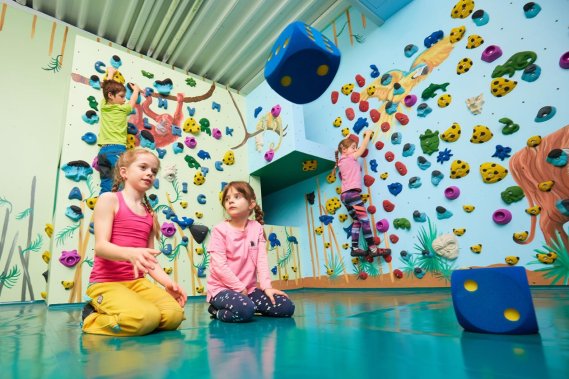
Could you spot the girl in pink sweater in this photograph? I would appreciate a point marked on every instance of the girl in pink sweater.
(239, 260)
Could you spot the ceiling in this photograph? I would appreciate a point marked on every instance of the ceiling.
(225, 41)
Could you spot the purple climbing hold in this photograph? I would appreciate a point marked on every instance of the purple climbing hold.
(269, 155)
(502, 216)
(382, 225)
(276, 110)
(168, 229)
(491, 53)
(410, 100)
(216, 133)
(452, 192)
(69, 258)
(564, 60)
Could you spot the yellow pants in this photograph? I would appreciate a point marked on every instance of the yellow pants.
(132, 308)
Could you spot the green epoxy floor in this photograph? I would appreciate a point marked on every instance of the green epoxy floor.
(335, 334)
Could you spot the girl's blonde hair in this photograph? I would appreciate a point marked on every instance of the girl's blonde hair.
(125, 160)
(344, 144)
(247, 191)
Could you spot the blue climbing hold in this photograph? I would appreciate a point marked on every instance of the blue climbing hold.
(408, 150)
(436, 177)
(502, 152)
(444, 156)
(257, 111)
(75, 194)
(396, 138)
(395, 188)
(423, 163)
(415, 182)
(89, 138)
(443, 213)
(373, 165)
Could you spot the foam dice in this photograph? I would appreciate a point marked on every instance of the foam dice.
(493, 300)
(302, 64)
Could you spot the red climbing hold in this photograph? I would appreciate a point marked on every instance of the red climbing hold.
(350, 114)
(360, 80)
(385, 127)
(369, 258)
(379, 145)
(365, 153)
(398, 273)
(364, 106)
(376, 240)
(402, 118)
(355, 97)
(387, 258)
(401, 168)
(374, 114)
(388, 206)
(393, 238)
(334, 96)
(389, 156)
(362, 275)
(371, 209)
(368, 180)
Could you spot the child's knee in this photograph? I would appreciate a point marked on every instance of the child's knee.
(171, 319)
(140, 322)
(286, 307)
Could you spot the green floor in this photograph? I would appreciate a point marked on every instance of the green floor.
(334, 334)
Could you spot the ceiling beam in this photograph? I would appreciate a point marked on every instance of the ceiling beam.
(165, 40)
(264, 50)
(245, 44)
(141, 20)
(162, 27)
(126, 21)
(222, 48)
(186, 30)
(146, 25)
(105, 16)
(82, 14)
(59, 9)
(212, 30)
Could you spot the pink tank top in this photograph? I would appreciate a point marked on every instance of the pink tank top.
(129, 230)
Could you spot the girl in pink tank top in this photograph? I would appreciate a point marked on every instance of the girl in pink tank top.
(124, 302)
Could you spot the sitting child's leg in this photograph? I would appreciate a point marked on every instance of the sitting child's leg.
(232, 306)
(171, 313)
(284, 307)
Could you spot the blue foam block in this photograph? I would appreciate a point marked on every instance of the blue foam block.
(493, 300)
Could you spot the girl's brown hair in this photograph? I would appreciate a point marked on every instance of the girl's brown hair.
(344, 144)
(125, 160)
(247, 191)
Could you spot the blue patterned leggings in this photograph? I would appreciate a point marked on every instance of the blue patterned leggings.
(233, 306)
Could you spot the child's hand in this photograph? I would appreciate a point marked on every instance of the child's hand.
(135, 87)
(143, 259)
(271, 292)
(368, 134)
(177, 293)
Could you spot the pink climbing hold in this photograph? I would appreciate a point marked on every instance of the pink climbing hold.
(276, 110)
(269, 155)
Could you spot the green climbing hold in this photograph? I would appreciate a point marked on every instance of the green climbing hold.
(204, 125)
(402, 223)
(147, 74)
(509, 126)
(430, 141)
(191, 82)
(512, 194)
(192, 163)
(431, 90)
(518, 61)
(93, 102)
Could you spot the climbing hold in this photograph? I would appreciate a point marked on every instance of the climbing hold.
(215, 106)
(431, 91)
(384, 175)
(492, 172)
(452, 134)
(545, 113)
(531, 73)
(385, 127)
(347, 89)
(396, 138)
(95, 82)
(457, 33)
(390, 107)
(395, 188)
(408, 150)
(534, 211)
(502, 152)
(350, 114)
(67, 284)
(502, 86)
(385, 79)
(374, 71)
(360, 80)
(216, 133)
(518, 61)
(393, 238)
(153, 200)
(474, 104)
(360, 124)
(557, 157)
(69, 258)
(337, 122)
(310, 165)
(389, 156)
(192, 162)
(509, 126)
(375, 115)
(368, 180)
(401, 168)
(533, 141)
(75, 194)
(409, 100)
(429, 141)
(388, 206)
(401, 223)
(398, 89)
(410, 50)
(382, 225)
(502, 216)
(564, 60)
(379, 145)
(443, 213)
(531, 9)
(202, 154)
(423, 110)
(476, 248)
(444, 100)
(147, 140)
(480, 17)
(90, 117)
(229, 158)
(100, 67)
(459, 231)
(199, 178)
(452, 192)
(373, 165)
(371, 209)
(474, 41)
(364, 106)
(77, 170)
(419, 216)
(462, 9)
(345, 132)
(161, 152)
(459, 169)
(468, 208)
(74, 213)
(446, 246)
(398, 273)
(463, 66)
(415, 182)
(546, 186)
(512, 194)
(433, 38)
(333, 97)
(491, 53)
(191, 142)
(423, 163)
(481, 134)
(436, 177)
(178, 147)
(91, 202)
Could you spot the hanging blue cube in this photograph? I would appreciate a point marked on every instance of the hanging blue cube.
(493, 300)
(302, 64)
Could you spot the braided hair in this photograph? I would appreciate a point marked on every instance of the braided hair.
(344, 144)
(125, 160)
(248, 193)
